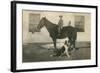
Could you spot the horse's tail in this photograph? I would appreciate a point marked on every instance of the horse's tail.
(75, 31)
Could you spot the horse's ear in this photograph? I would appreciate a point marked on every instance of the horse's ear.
(44, 17)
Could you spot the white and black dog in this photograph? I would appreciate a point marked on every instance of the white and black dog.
(64, 50)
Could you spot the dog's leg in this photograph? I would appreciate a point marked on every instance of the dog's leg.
(66, 51)
(67, 54)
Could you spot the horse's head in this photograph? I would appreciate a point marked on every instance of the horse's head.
(41, 24)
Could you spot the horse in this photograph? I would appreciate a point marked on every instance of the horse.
(67, 31)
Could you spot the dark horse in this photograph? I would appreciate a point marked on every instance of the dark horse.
(67, 31)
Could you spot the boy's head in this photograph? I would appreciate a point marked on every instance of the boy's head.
(60, 16)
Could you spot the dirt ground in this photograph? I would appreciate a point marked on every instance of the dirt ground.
(35, 52)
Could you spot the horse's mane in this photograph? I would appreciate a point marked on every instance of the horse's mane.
(49, 22)
(55, 25)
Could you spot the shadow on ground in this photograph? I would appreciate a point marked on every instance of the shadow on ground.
(35, 52)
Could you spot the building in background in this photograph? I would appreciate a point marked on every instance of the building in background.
(82, 21)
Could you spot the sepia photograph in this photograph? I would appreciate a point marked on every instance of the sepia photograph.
(56, 36)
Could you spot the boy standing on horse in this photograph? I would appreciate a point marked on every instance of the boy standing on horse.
(60, 24)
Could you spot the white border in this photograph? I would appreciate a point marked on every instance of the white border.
(36, 65)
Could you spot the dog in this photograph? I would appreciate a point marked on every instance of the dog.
(64, 50)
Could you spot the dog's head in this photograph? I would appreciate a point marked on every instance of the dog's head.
(67, 42)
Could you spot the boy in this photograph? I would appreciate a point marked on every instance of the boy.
(60, 24)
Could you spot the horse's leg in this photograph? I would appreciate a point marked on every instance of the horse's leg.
(71, 44)
(55, 44)
(54, 41)
(74, 41)
(55, 49)
(74, 46)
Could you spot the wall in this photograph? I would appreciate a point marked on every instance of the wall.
(5, 48)
(43, 36)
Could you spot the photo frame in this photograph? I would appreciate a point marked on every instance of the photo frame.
(33, 44)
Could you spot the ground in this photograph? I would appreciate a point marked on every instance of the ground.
(37, 52)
